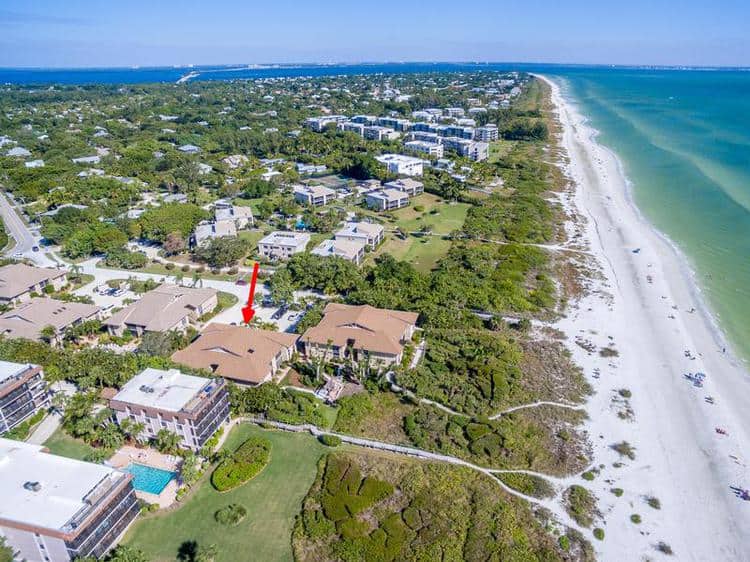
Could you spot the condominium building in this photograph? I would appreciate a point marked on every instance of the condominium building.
(166, 308)
(367, 232)
(425, 136)
(353, 251)
(473, 150)
(360, 333)
(401, 165)
(56, 509)
(487, 133)
(23, 392)
(386, 199)
(395, 123)
(379, 133)
(314, 195)
(364, 119)
(455, 131)
(454, 112)
(31, 320)
(18, 281)
(407, 185)
(319, 123)
(431, 149)
(352, 127)
(281, 245)
(191, 407)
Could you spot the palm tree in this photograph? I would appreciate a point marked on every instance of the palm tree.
(178, 278)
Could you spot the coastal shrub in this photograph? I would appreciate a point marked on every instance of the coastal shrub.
(599, 533)
(624, 449)
(664, 548)
(528, 484)
(580, 505)
(635, 518)
(564, 542)
(185, 268)
(588, 475)
(231, 515)
(608, 352)
(330, 440)
(625, 393)
(617, 491)
(653, 502)
(169, 266)
(245, 463)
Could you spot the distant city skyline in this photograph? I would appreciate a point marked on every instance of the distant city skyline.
(87, 33)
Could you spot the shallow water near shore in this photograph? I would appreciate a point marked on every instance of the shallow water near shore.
(683, 138)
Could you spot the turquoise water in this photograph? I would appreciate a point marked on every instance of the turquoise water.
(149, 479)
(684, 140)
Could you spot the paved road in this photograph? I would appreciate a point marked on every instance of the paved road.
(21, 233)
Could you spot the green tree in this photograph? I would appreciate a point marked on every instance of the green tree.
(221, 252)
(166, 441)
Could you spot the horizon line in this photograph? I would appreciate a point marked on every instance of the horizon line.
(270, 65)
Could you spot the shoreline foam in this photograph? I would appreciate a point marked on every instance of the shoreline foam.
(679, 458)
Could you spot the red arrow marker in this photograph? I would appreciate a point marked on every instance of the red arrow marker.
(247, 311)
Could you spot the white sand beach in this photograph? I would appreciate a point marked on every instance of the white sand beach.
(647, 307)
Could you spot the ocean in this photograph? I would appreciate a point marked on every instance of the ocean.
(682, 135)
(683, 138)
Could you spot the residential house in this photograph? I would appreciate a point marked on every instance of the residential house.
(314, 195)
(235, 161)
(407, 185)
(360, 333)
(369, 233)
(242, 217)
(353, 251)
(281, 245)
(23, 393)
(18, 281)
(95, 159)
(57, 509)
(18, 152)
(30, 319)
(207, 231)
(401, 165)
(34, 163)
(191, 407)
(239, 353)
(189, 149)
(166, 308)
(386, 199)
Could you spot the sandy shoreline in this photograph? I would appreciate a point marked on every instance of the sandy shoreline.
(642, 308)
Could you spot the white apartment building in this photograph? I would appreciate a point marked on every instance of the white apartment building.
(407, 185)
(192, 408)
(401, 165)
(487, 133)
(319, 123)
(380, 133)
(369, 233)
(353, 251)
(387, 199)
(314, 195)
(281, 245)
(431, 149)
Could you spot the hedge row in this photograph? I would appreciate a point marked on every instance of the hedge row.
(245, 463)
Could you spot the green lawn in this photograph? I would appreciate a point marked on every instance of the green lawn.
(423, 252)
(449, 216)
(272, 499)
(60, 443)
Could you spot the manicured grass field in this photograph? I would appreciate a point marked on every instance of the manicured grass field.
(272, 499)
(60, 443)
(423, 252)
(448, 218)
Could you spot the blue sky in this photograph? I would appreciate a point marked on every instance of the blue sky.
(160, 32)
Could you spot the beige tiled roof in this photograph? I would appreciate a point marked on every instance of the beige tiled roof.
(17, 278)
(339, 248)
(162, 308)
(372, 329)
(235, 352)
(29, 319)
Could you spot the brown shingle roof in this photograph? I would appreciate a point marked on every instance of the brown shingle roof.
(162, 308)
(28, 319)
(372, 329)
(17, 278)
(235, 352)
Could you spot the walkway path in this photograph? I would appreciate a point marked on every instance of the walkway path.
(534, 405)
(45, 429)
(550, 504)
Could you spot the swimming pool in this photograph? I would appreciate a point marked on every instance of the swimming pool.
(149, 479)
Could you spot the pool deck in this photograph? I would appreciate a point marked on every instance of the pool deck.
(149, 457)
